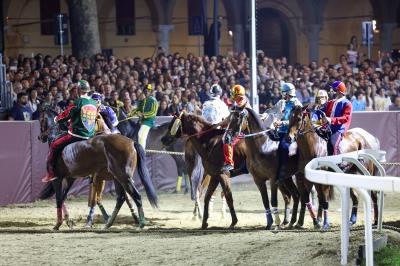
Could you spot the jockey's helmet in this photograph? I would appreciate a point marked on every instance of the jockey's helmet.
(288, 89)
(148, 87)
(215, 90)
(97, 97)
(321, 97)
(339, 86)
(84, 85)
(238, 90)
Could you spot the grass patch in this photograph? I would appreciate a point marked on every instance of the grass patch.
(389, 255)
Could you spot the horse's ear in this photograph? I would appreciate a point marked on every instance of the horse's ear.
(305, 107)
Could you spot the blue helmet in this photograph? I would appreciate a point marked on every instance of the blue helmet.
(97, 97)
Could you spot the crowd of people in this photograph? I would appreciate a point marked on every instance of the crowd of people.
(183, 82)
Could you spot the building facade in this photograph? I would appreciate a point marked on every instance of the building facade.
(301, 30)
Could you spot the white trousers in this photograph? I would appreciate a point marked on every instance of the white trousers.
(143, 132)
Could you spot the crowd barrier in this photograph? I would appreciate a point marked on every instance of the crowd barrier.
(22, 156)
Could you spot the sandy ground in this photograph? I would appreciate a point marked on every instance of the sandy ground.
(172, 237)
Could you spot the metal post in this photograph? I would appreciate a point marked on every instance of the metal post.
(253, 92)
(60, 16)
(368, 226)
(345, 228)
(368, 25)
(216, 46)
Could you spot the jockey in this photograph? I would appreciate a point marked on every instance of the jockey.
(108, 114)
(338, 114)
(320, 99)
(288, 102)
(82, 114)
(215, 110)
(241, 101)
(147, 111)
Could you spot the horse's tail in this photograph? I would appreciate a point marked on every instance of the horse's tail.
(145, 175)
(47, 191)
(197, 176)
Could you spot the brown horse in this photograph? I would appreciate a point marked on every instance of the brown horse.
(49, 132)
(105, 155)
(311, 145)
(262, 161)
(205, 140)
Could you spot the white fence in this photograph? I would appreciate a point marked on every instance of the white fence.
(361, 183)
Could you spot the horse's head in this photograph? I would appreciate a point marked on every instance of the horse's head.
(174, 130)
(303, 120)
(238, 121)
(48, 128)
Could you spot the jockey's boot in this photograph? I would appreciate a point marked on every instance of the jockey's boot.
(50, 174)
(227, 168)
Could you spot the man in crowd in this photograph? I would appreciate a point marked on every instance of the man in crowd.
(21, 111)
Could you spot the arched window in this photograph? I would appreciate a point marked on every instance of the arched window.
(125, 17)
(48, 10)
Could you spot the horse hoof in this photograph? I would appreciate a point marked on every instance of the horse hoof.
(317, 225)
(299, 227)
(57, 227)
(278, 228)
(375, 223)
(268, 227)
(88, 226)
(70, 223)
(285, 222)
(290, 226)
(204, 226)
(325, 227)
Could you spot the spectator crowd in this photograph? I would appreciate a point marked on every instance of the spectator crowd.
(183, 82)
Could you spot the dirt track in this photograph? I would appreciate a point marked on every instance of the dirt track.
(172, 238)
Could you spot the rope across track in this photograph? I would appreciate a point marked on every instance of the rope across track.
(166, 152)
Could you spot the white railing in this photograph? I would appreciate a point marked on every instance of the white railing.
(361, 183)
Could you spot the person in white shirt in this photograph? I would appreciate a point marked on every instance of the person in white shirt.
(215, 110)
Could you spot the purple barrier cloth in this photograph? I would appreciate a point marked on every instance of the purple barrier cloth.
(23, 157)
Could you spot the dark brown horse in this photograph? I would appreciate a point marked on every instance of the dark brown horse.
(204, 139)
(104, 155)
(311, 145)
(262, 161)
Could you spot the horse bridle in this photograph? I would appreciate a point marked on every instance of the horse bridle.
(243, 122)
(301, 130)
(176, 125)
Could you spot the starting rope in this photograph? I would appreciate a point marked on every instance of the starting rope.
(166, 152)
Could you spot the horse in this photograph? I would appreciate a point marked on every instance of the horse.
(97, 183)
(104, 155)
(262, 161)
(128, 127)
(311, 145)
(205, 140)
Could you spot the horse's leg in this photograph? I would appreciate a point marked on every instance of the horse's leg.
(262, 187)
(223, 210)
(226, 187)
(210, 190)
(286, 198)
(57, 184)
(91, 204)
(354, 199)
(129, 203)
(296, 198)
(132, 191)
(120, 200)
(99, 192)
(375, 204)
(325, 206)
(274, 202)
(304, 188)
(69, 183)
(187, 182)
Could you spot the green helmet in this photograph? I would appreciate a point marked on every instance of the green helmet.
(84, 85)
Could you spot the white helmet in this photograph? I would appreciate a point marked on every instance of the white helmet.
(215, 90)
(322, 93)
(288, 89)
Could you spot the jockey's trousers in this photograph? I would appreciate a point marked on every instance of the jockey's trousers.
(143, 132)
(228, 152)
(334, 142)
(56, 148)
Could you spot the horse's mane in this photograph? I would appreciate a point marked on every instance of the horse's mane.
(255, 117)
(200, 119)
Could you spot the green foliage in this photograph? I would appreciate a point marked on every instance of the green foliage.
(389, 255)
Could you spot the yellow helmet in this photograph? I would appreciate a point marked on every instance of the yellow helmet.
(148, 87)
(238, 90)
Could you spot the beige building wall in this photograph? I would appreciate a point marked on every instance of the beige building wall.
(341, 21)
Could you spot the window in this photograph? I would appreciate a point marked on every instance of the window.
(125, 17)
(197, 20)
(48, 10)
